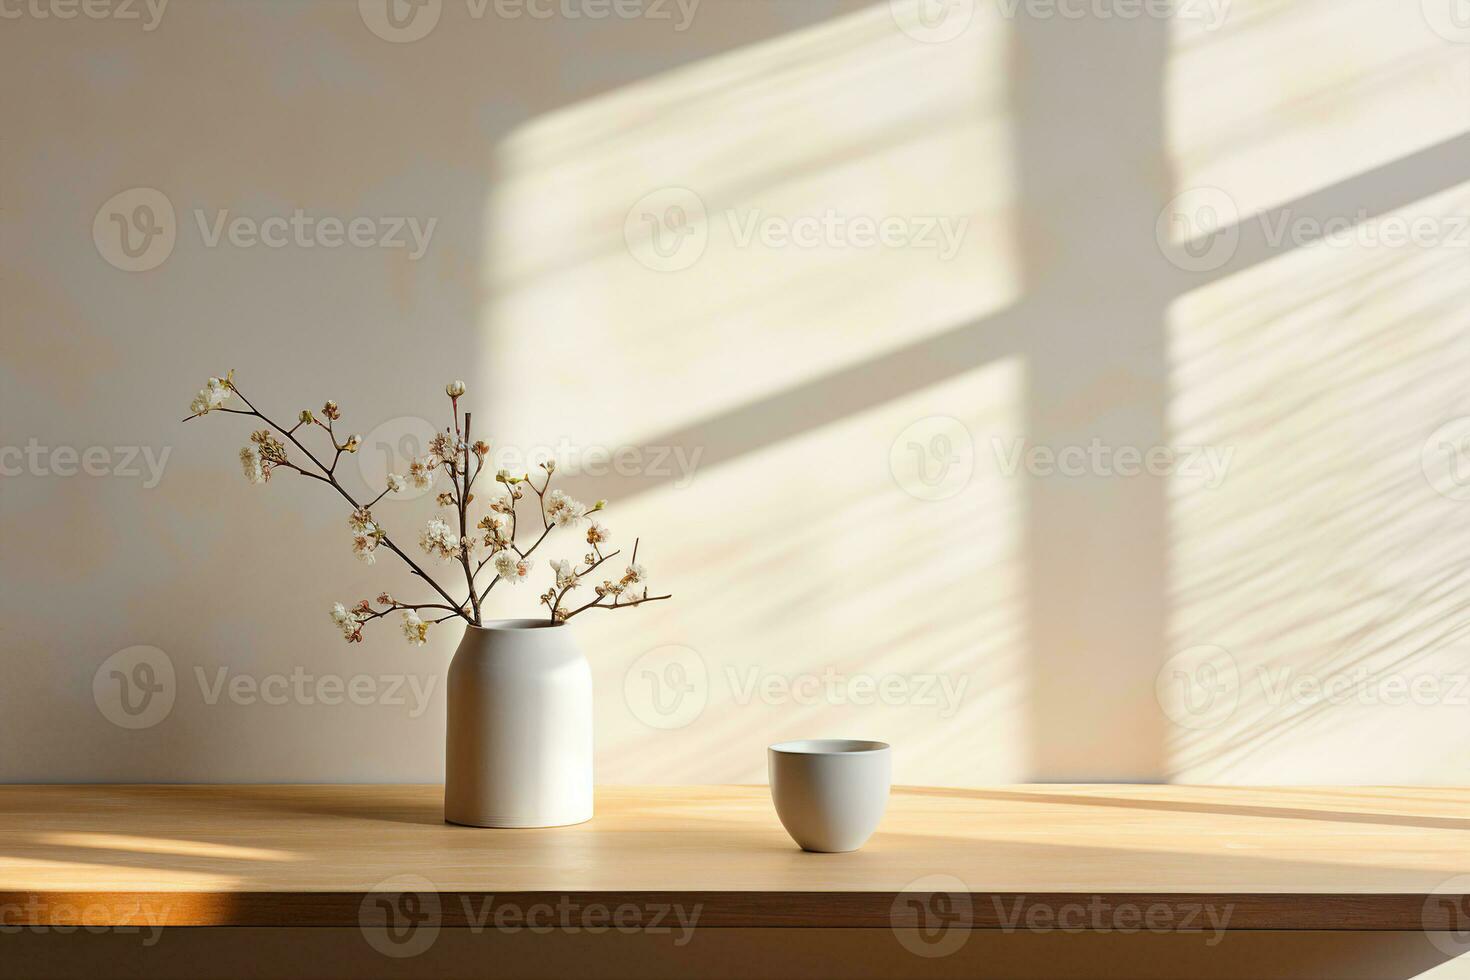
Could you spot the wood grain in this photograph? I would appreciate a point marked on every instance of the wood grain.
(1037, 858)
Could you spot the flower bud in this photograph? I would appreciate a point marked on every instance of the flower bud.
(306, 417)
(597, 506)
(454, 389)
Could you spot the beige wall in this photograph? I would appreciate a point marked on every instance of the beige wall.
(817, 439)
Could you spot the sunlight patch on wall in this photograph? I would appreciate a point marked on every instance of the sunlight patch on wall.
(1319, 592)
(750, 220)
(814, 596)
(1284, 97)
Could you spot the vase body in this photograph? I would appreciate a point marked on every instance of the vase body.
(518, 747)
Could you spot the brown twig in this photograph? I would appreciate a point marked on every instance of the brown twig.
(577, 578)
(464, 499)
(331, 479)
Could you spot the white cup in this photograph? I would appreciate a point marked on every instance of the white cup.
(830, 793)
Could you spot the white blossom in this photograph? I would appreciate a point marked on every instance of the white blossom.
(396, 483)
(510, 566)
(563, 511)
(349, 621)
(438, 538)
(366, 536)
(420, 472)
(636, 574)
(213, 395)
(250, 463)
(566, 575)
(597, 533)
(415, 629)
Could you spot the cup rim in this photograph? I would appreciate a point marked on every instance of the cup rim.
(830, 746)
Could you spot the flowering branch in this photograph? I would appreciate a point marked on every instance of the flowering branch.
(270, 456)
(462, 461)
(635, 575)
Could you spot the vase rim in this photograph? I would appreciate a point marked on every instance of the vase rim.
(512, 625)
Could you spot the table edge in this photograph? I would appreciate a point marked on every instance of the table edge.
(1121, 912)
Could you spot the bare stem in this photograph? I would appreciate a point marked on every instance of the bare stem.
(464, 497)
(615, 604)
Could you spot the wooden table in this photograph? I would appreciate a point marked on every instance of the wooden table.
(999, 858)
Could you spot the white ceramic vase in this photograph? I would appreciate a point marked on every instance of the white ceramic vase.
(518, 749)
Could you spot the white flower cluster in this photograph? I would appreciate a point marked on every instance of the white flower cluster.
(415, 629)
(349, 621)
(511, 566)
(438, 538)
(250, 463)
(213, 395)
(366, 535)
(563, 511)
(421, 472)
(566, 575)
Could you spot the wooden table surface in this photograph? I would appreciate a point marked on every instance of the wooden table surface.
(1304, 858)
